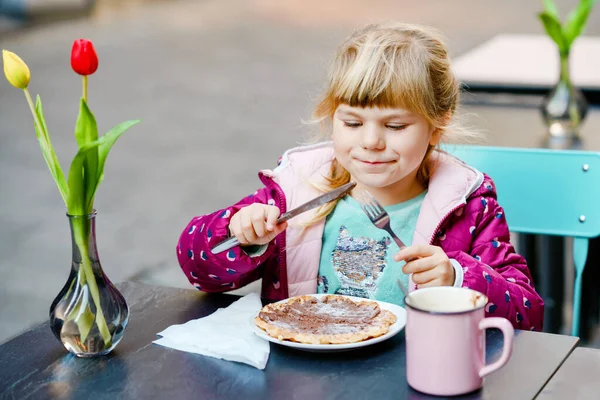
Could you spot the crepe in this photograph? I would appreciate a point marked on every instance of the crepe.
(330, 319)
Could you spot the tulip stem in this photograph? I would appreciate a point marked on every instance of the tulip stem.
(85, 85)
(81, 235)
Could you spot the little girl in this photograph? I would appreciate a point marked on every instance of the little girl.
(390, 100)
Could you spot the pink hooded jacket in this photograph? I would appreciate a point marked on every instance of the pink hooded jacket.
(460, 214)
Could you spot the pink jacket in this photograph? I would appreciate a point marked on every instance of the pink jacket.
(460, 214)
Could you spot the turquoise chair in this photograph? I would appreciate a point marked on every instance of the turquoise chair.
(545, 192)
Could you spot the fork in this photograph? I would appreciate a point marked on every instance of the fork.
(381, 219)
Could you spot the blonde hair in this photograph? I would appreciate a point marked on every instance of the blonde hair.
(392, 65)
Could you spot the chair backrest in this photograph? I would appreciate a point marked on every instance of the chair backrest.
(548, 192)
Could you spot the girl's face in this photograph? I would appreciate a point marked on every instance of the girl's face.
(382, 148)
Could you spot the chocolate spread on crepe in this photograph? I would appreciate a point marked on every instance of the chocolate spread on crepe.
(326, 320)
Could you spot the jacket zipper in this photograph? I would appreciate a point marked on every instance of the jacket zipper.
(282, 260)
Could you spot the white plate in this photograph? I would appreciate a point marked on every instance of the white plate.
(394, 329)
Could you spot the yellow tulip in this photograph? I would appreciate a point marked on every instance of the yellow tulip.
(15, 69)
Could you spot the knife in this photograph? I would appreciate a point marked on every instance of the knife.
(316, 202)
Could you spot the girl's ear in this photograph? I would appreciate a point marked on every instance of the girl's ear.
(436, 136)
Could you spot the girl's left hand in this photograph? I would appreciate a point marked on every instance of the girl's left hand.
(429, 265)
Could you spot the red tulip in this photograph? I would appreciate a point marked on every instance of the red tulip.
(84, 60)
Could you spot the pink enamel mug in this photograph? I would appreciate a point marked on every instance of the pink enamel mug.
(445, 340)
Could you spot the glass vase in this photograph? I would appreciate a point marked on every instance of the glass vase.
(89, 315)
(565, 107)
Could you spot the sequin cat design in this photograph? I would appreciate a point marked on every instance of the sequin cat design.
(359, 263)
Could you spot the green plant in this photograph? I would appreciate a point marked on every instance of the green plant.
(564, 34)
(79, 188)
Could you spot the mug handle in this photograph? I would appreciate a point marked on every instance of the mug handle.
(508, 333)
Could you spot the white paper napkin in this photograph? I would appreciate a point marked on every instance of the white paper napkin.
(225, 334)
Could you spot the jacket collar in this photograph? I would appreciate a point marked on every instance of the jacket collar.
(450, 184)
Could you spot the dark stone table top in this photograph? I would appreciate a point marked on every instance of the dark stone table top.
(35, 366)
(577, 378)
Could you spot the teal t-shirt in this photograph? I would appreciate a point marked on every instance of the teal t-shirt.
(356, 257)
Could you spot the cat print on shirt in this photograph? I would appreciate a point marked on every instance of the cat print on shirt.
(359, 263)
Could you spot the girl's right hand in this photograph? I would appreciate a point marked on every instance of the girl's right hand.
(255, 224)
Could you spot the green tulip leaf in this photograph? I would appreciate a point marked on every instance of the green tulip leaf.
(77, 204)
(40, 113)
(576, 21)
(83, 316)
(85, 321)
(554, 30)
(551, 9)
(48, 151)
(105, 144)
(76, 200)
(86, 131)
